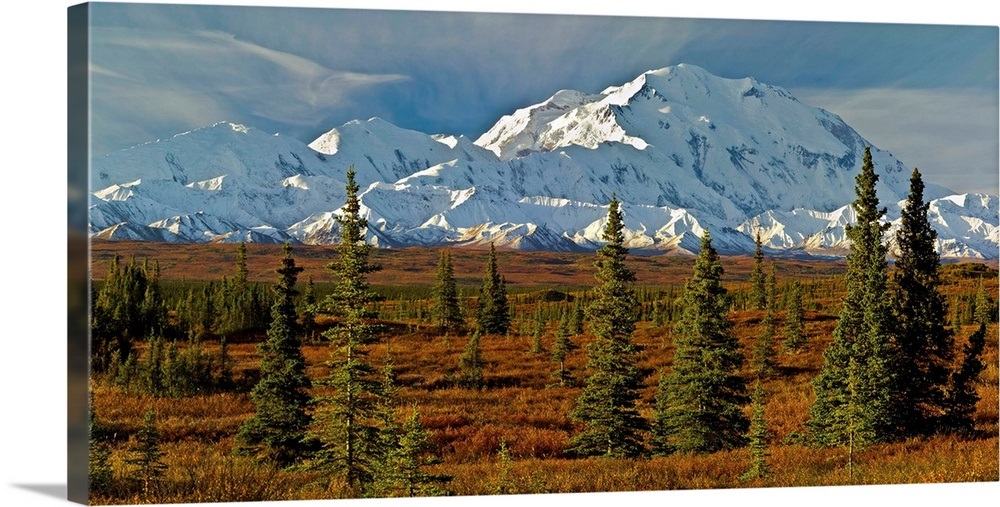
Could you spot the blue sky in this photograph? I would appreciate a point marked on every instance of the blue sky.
(928, 94)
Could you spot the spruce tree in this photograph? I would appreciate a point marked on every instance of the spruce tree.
(854, 390)
(146, 455)
(921, 335)
(237, 308)
(560, 351)
(470, 364)
(536, 336)
(414, 453)
(577, 317)
(984, 313)
(278, 427)
(346, 424)
(494, 314)
(225, 381)
(385, 468)
(242, 276)
(758, 438)
(447, 313)
(99, 471)
(758, 280)
(960, 405)
(699, 404)
(309, 311)
(762, 358)
(612, 425)
(795, 330)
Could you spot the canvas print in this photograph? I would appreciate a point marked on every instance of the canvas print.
(340, 253)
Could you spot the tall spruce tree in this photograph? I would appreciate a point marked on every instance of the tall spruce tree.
(921, 315)
(347, 427)
(612, 426)
(758, 280)
(447, 313)
(854, 389)
(278, 427)
(494, 314)
(699, 405)
(960, 405)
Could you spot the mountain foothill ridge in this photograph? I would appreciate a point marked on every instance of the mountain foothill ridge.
(682, 149)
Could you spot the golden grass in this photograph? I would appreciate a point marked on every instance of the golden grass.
(519, 407)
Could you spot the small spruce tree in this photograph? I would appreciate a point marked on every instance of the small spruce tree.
(758, 438)
(960, 405)
(577, 317)
(494, 314)
(504, 483)
(758, 280)
(795, 330)
(447, 313)
(984, 313)
(414, 453)
(99, 471)
(309, 311)
(470, 364)
(561, 349)
(146, 456)
(536, 336)
(762, 358)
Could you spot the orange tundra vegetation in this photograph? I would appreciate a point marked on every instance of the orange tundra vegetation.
(521, 408)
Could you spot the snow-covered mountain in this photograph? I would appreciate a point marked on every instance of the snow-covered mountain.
(682, 149)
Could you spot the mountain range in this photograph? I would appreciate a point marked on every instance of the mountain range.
(682, 149)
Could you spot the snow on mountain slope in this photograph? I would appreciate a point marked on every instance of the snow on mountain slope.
(751, 143)
(682, 149)
(966, 224)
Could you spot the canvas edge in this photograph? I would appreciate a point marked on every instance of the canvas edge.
(78, 253)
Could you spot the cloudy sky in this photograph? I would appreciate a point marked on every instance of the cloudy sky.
(928, 94)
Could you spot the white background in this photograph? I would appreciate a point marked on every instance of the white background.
(33, 272)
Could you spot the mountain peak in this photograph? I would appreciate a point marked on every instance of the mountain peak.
(684, 151)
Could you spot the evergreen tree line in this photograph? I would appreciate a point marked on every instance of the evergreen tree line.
(169, 370)
(228, 308)
(127, 306)
(892, 370)
(348, 430)
(130, 305)
(890, 373)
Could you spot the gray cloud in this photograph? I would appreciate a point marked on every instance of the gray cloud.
(951, 135)
(924, 92)
(146, 81)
